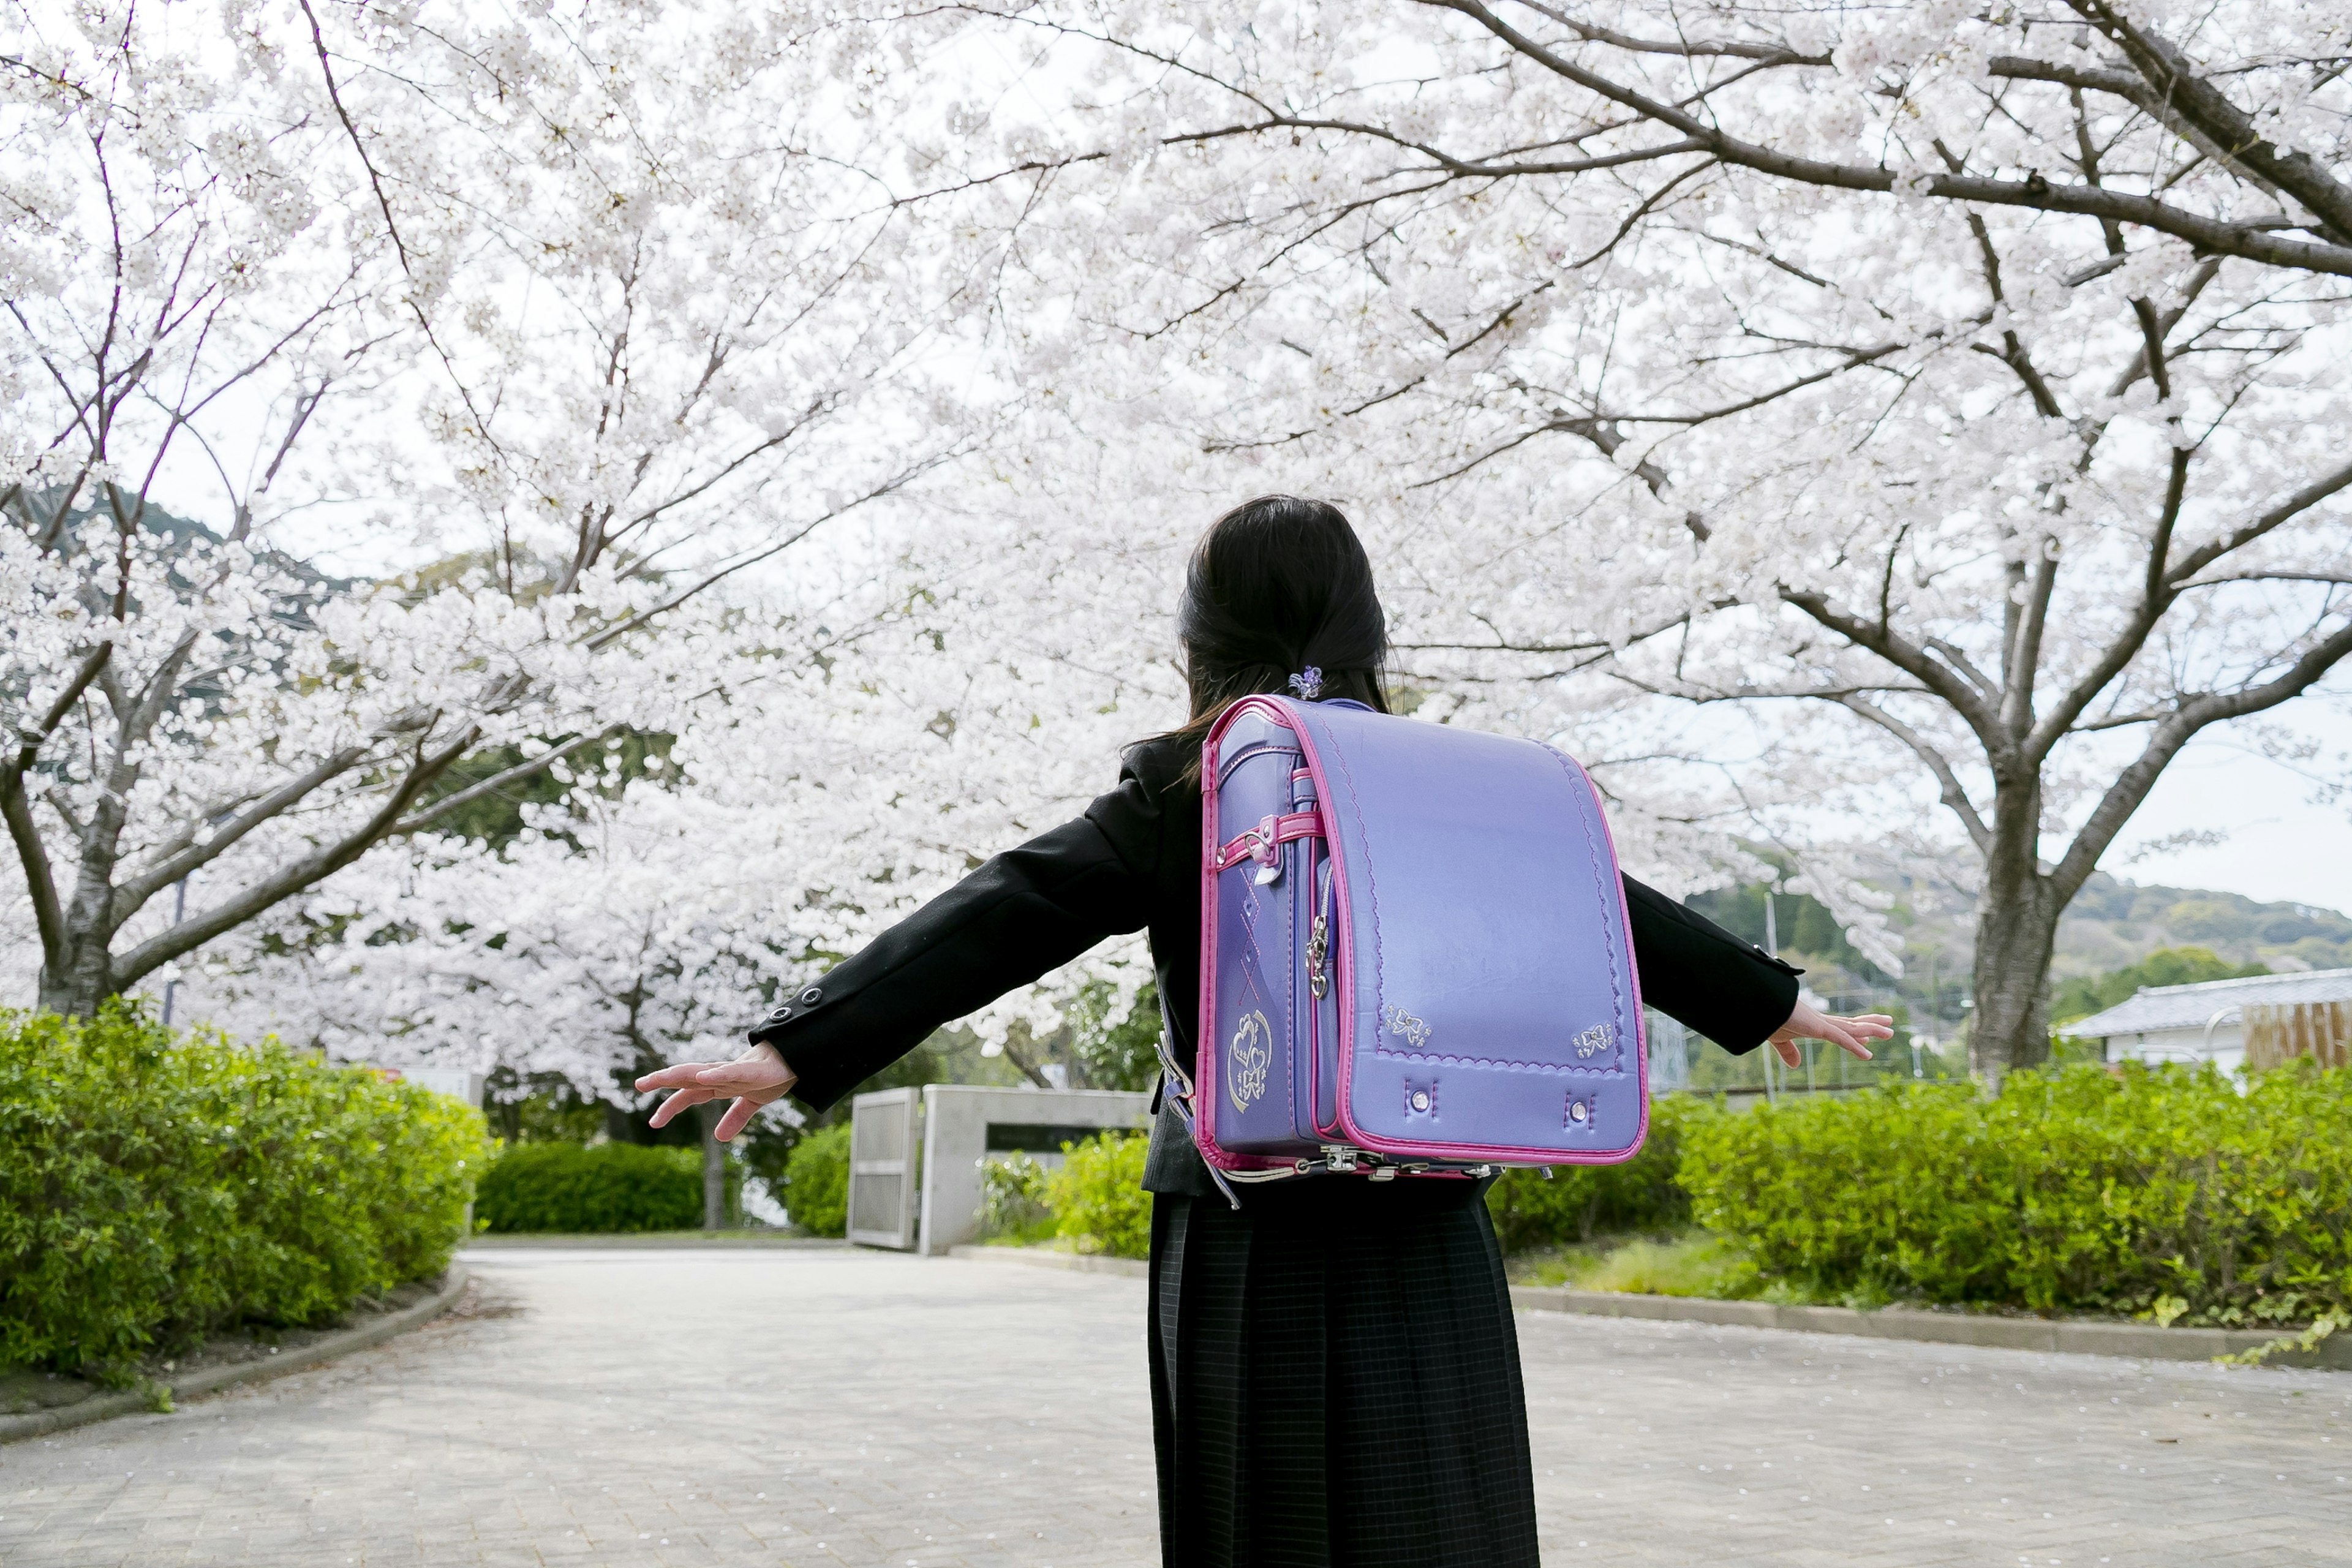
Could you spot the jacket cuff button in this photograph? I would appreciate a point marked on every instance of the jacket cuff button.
(812, 996)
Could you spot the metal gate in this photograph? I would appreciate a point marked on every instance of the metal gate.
(882, 1144)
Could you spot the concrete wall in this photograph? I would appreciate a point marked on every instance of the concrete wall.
(956, 1121)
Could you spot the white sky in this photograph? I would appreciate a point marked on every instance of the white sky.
(2282, 846)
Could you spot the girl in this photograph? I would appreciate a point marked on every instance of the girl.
(1335, 1377)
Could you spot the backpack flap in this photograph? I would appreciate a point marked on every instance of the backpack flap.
(1489, 1007)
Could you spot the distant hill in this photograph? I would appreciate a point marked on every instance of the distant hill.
(2112, 925)
(2113, 922)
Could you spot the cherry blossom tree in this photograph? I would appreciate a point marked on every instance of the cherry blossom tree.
(652, 918)
(1966, 380)
(581, 315)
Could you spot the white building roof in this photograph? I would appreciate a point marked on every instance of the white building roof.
(2158, 1007)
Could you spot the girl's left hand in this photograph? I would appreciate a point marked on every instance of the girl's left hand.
(1846, 1034)
(750, 1080)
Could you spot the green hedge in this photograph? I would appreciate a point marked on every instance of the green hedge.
(1577, 1203)
(2162, 1192)
(155, 1187)
(1098, 1196)
(816, 1180)
(578, 1188)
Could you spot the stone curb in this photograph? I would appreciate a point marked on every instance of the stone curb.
(1047, 1257)
(642, 1242)
(2143, 1341)
(130, 1402)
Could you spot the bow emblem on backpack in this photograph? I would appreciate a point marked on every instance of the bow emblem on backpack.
(1416, 1031)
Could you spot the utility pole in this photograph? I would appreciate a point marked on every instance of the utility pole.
(178, 913)
(1772, 946)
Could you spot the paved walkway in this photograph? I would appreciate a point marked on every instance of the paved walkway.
(828, 1408)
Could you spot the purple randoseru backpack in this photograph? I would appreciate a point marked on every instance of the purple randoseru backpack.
(1414, 953)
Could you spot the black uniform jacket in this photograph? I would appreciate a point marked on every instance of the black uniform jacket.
(1132, 862)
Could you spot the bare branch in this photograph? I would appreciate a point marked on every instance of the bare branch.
(2279, 516)
(1909, 658)
(1954, 797)
(2124, 797)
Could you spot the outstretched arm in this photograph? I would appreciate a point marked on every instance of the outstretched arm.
(1733, 992)
(1024, 912)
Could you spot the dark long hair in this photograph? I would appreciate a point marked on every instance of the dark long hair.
(1276, 585)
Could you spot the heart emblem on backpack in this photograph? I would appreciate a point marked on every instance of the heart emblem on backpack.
(1248, 1055)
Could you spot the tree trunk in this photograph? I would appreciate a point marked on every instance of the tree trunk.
(85, 980)
(2017, 927)
(714, 1166)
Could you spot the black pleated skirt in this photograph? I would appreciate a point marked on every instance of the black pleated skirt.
(1335, 1380)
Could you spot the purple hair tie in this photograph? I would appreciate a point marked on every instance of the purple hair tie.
(1308, 683)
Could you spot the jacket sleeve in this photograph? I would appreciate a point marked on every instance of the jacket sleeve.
(1694, 970)
(1019, 915)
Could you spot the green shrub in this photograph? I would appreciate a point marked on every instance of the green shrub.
(155, 1188)
(592, 1188)
(816, 1180)
(1097, 1196)
(1581, 1202)
(1012, 1193)
(2167, 1192)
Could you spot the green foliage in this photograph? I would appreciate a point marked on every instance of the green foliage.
(1802, 923)
(157, 1187)
(816, 1180)
(540, 1108)
(2160, 1191)
(2086, 995)
(1097, 1196)
(764, 1150)
(1013, 1206)
(592, 1188)
(1581, 1202)
(497, 818)
(1694, 1263)
(1116, 1053)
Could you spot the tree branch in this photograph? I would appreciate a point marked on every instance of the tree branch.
(2176, 87)
(1911, 660)
(190, 935)
(1953, 796)
(2124, 797)
(2035, 192)
(138, 889)
(48, 916)
(2279, 516)
(1689, 48)
(499, 781)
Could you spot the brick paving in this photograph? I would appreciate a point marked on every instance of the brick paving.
(803, 1408)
